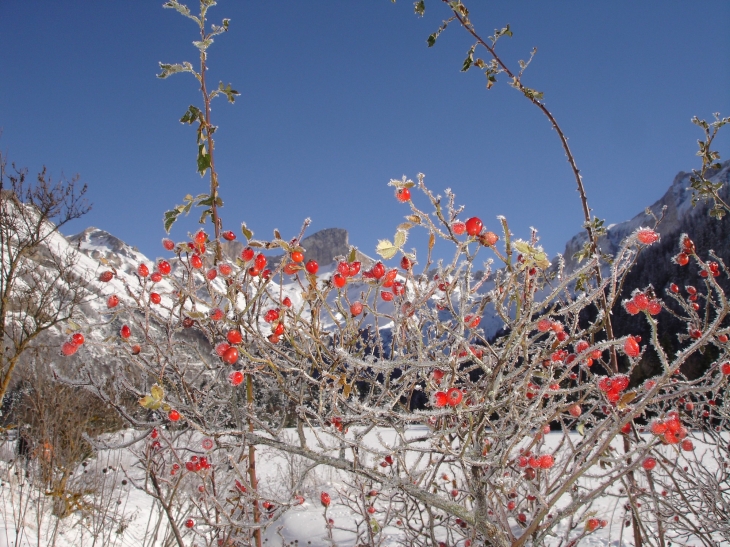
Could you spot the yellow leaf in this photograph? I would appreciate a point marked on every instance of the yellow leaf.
(400, 238)
(626, 399)
(386, 249)
(157, 392)
(431, 241)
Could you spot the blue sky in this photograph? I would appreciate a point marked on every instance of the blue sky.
(340, 96)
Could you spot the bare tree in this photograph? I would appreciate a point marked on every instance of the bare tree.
(39, 288)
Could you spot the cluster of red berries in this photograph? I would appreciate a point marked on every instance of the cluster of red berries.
(544, 461)
(613, 386)
(452, 397)
(72, 345)
(641, 302)
(688, 248)
(387, 461)
(670, 429)
(196, 464)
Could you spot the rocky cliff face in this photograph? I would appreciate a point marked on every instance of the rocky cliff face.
(679, 210)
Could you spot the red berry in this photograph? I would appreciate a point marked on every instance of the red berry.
(581, 346)
(438, 375)
(354, 269)
(112, 301)
(271, 315)
(286, 302)
(544, 325)
(682, 259)
(454, 396)
(106, 276)
(674, 288)
(356, 308)
(371, 510)
(378, 270)
(592, 524)
(235, 377)
(196, 262)
(173, 415)
(626, 429)
(511, 505)
(647, 236)
(620, 382)
(189, 523)
(125, 331)
(247, 254)
(654, 307)
(211, 274)
(312, 267)
(156, 277)
(228, 236)
(522, 517)
(473, 226)
(454, 493)
(398, 288)
(546, 461)
(155, 298)
(641, 301)
(234, 337)
(649, 464)
(687, 445)
(324, 497)
(225, 269)
(405, 263)
(339, 281)
(231, 355)
(631, 307)
(403, 194)
(575, 410)
(488, 239)
(440, 399)
(143, 270)
(725, 369)
(458, 227)
(631, 347)
(168, 244)
(69, 348)
(164, 267)
(260, 261)
(136, 349)
(200, 237)
(221, 349)
(386, 295)
(297, 256)
(279, 329)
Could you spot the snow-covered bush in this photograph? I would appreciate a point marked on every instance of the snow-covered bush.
(379, 371)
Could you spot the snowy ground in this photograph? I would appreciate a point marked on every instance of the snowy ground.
(115, 514)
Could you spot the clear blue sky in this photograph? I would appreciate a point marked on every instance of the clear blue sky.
(340, 96)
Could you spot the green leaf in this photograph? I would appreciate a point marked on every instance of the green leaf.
(169, 69)
(419, 7)
(353, 254)
(202, 45)
(170, 218)
(248, 234)
(192, 114)
(229, 92)
(203, 160)
(205, 215)
(430, 41)
(469, 59)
